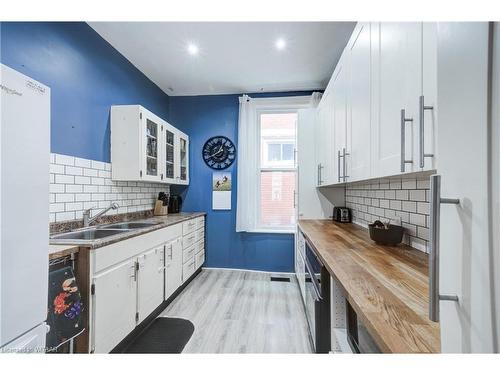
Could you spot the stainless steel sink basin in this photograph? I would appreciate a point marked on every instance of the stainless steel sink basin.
(87, 234)
(131, 225)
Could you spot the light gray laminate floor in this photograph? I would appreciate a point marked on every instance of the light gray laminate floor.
(242, 312)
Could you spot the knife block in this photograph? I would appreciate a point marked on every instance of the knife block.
(160, 209)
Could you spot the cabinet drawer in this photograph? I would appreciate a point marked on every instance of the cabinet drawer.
(199, 246)
(188, 269)
(188, 254)
(189, 240)
(199, 234)
(199, 259)
(200, 222)
(188, 226)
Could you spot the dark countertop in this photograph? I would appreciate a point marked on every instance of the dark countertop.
(386, 285)
(163, 222)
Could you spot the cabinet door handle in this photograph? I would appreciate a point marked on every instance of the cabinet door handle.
(320, 168)
(344, 154)
(404, 120)
(339, 176)
(422, 109)
(434, 217)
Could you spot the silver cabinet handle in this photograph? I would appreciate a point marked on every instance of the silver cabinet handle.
(436, 201)
(404, 120)
(317, 179)
(339, 176)
(294, 202)
(422, 109)
(320, 174)
(344, 154)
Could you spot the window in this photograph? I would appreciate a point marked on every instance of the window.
(267, 134)
(277, 170)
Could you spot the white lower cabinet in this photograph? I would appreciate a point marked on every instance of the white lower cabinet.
(131, 278)
(150, 281)
(173, 266)
(114, 305)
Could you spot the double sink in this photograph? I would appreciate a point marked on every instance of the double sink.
(88, 235)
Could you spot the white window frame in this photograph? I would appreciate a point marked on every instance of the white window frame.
(290, 104)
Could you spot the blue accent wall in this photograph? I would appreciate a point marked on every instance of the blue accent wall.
(86, 76)
(202, 117)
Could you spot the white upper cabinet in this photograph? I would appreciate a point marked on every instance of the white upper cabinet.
(324, 139)
(397, 52)
(339, 105)
(381, 100)
(146, 148)
(359, 99)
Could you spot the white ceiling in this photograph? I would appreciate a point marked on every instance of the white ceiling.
(234, 57)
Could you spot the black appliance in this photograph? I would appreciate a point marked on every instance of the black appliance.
(317, 301)
(174, 204)
(342, 214)
(358, 336)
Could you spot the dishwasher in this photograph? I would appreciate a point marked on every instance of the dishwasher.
(317, 301)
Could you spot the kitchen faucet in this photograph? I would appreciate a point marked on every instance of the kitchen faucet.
(87, 219)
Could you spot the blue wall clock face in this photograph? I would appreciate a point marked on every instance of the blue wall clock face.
(219, 152)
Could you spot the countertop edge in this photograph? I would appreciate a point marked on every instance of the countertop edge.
(128, 235)
(383, 343)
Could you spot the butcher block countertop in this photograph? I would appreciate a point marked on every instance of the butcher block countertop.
(386, 285)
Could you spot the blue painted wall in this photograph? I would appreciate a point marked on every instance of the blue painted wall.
(202, 117)
(86, 76)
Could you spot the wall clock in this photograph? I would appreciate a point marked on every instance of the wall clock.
(219, 152)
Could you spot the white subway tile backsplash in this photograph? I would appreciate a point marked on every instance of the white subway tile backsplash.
(84, 163)
(97, 164)
(64, 159)
(58, 169)
(74, 188)
(77, 184)
(73, 171)
(63, 216)
(64, 179)
(417, 195)
(409, 206)
(401, 200)
(90, 172)
(409, 184)
(63, 197)
(97, 181)
(417, 219)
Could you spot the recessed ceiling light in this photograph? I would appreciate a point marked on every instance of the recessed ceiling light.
(192, 49)
(280, 44)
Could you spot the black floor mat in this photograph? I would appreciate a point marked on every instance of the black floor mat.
(164, 335)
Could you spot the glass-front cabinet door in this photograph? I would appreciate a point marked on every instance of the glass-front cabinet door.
(152, 136)
(170, 154)
(183, 176)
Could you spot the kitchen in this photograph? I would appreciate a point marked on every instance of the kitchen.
(249, 199)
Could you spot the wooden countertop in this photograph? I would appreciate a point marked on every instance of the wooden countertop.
(387, 286)
(58, 251)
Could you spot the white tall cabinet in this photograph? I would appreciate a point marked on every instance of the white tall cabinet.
(145, 147)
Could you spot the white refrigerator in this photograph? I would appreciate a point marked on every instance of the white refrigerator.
(24, 204)
(464, 222)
